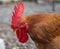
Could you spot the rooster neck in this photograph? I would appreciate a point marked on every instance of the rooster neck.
(24, 19)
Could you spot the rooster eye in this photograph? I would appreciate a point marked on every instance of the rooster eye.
(22, 23)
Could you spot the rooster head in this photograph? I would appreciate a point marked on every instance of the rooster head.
(18, 25)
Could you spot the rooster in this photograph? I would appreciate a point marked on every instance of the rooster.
(42, 28)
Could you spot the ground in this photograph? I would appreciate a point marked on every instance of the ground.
(5, 19)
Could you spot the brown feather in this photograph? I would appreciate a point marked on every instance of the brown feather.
(43, 28)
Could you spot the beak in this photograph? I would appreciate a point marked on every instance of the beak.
(15, 30)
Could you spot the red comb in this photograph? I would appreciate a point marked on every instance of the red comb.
(17, 14)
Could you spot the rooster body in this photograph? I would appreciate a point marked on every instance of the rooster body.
(42, 28)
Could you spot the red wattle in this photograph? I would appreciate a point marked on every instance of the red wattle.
(22, 35)
(24, 39)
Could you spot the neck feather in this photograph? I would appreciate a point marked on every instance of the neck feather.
(24, 19)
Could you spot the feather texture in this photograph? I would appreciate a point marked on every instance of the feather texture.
(43, 28)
